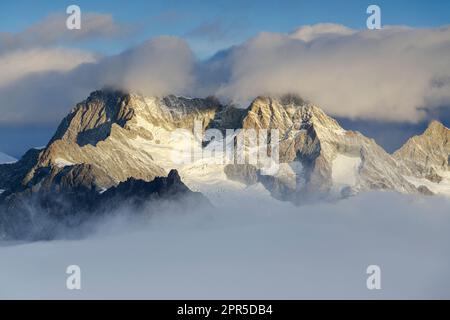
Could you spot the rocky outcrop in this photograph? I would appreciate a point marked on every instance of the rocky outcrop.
(138, 192)
(427, 155)
(65, 205)
(13, 174)
(115, 136)
(324, 149)
(101, 134)
(119, 148)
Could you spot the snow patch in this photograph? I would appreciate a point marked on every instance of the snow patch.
(61, 163)
(6, 159)
(442, 187)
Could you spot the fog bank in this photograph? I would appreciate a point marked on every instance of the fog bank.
(249, 249)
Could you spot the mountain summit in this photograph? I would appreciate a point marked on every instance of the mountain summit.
(319, 156)
(427, 155)
(114, 135)
(115, 139)
(426, 158)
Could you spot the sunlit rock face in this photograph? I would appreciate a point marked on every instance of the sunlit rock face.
(426, 158)
(320, 156)
(115, 136)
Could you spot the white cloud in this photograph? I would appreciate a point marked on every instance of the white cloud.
(52, 30)
(384, 74)
(33, 61)
(20, 63)
(312, 32)
(248, 250)
(395, 74)
(159, 66)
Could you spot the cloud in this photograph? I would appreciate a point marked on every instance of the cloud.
(252, 249)
(52, 30)
(35, 65)
(312, 32)
(397, 74)
(390, 74)
(159, 66)
(20, 63)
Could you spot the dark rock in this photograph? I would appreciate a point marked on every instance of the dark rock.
(40, 214)
(425, 191)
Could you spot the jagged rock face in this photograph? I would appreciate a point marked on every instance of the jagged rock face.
(139, 191)
(103, 133)
(331, 157)
(427, 155)
(79, 177)
(113, 136)
(227, 117)
(425, 160)
(42, 214)
(114, 147)
(12, 175)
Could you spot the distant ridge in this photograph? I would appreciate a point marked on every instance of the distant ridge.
(4, 158)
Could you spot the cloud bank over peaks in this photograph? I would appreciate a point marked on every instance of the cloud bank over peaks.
(159, 66)
(395, 74)
(349, 73)
(37, 58)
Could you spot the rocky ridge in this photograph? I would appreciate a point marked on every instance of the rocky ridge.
(113, 136)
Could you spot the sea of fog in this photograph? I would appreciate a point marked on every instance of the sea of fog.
(247, 249)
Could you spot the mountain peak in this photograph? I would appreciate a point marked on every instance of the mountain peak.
(173, 176)
(114, 135)
(288, 112)
(436, 127)
(427, 155)
(284, 99)
(317, 143)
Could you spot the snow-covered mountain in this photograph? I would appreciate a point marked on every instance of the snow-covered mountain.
(112, 136)
(327, 158)
(426, 158)
(4, 158)
(115, 137)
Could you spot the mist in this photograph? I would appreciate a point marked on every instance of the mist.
(252, 248)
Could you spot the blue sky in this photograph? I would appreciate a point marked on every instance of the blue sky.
(212, 25)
